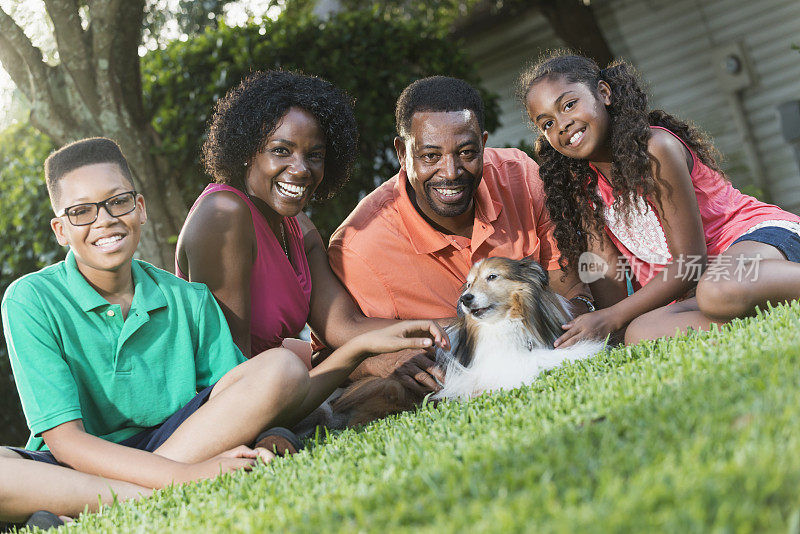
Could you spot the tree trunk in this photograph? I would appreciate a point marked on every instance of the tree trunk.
(95, 90)
(575, 23)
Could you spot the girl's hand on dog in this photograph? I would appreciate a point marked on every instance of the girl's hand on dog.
(404, 335)
(594, 325)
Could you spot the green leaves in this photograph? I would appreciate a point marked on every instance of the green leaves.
(27, 243)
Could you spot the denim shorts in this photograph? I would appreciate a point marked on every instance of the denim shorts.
(147, 440)
(783, 235)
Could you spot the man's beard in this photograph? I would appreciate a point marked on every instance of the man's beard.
(451, 210)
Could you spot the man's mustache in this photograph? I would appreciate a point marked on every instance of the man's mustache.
(461, 182)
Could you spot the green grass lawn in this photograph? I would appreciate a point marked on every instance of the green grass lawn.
(698, 433)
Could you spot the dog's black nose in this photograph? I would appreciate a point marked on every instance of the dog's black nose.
(466, 298)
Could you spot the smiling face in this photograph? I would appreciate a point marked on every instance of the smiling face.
(287, 171)
(443, 159)
(572, 116)
(109, 242)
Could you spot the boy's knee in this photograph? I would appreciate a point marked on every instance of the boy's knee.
(722, 299)
(284, 366)
(5, 452)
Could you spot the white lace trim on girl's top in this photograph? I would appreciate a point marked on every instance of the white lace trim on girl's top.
(643, 235)
(792, 226)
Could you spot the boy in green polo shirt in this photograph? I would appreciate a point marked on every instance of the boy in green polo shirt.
(109, 354)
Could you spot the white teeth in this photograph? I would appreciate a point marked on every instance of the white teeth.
(292, 190)
(449, 192)
(577, 136)
(104, 241)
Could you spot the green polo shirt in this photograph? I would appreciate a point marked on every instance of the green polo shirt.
(74, 357)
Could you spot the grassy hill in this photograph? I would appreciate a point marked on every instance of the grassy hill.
(694, 434)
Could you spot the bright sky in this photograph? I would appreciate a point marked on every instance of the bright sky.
(31, 16)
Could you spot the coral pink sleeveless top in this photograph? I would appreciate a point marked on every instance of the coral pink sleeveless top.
(726, 214)
(280, 290)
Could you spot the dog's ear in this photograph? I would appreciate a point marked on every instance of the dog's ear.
(534, 270)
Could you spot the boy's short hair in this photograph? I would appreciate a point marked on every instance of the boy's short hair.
(436, 93)
(78, 154)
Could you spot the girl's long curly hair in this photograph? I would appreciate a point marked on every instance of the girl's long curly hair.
(570, 185)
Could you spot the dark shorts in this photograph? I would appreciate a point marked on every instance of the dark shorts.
(146, 440)
(785, 240)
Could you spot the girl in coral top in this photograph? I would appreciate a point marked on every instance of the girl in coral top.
(643, 189)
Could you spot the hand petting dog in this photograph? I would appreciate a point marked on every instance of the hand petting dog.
(414, 369)
(421, 334)
(596, 325)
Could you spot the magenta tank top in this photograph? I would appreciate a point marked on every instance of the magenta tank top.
(280, 290)
(726, 213)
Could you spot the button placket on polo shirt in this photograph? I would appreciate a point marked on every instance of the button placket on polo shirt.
(136, 318)
(111, 316)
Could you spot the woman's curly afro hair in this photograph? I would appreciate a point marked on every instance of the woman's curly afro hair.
(250, 112)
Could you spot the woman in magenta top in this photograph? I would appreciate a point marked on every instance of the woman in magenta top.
(280, 280)
(648, 183)
(275, 141)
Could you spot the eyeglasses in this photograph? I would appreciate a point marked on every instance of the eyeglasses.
(116, 206)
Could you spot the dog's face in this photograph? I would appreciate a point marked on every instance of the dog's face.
(499, 289)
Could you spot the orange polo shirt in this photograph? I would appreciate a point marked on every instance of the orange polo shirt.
(396, 265)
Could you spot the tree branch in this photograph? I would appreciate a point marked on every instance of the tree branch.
(73, 49)
(116, 30)
(38, 81)
(126, 57)
(23, 61)
(15, 66)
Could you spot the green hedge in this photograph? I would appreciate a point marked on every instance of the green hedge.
(27, 243)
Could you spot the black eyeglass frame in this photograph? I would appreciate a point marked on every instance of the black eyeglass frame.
(98, 205)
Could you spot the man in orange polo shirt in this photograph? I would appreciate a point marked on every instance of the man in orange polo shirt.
(405, 250)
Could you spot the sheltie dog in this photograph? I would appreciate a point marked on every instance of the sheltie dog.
(507, 321)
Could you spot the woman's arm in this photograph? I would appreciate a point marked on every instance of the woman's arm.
(683, 228)
(217, 247)
(335, 318)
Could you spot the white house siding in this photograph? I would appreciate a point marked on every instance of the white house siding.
(671, 43)
(501, 54)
